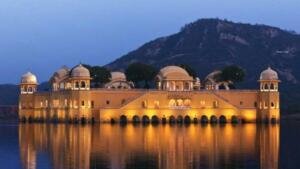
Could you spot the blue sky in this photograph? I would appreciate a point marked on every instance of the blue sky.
(43, 35)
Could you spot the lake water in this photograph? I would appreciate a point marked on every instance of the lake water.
(106, 146)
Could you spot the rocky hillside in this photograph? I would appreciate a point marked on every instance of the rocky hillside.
(210, 44)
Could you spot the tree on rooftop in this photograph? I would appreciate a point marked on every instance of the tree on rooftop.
(140, 73)
(189, 69)
(100, 75)
(230, 75)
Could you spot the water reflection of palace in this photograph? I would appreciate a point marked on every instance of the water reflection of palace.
(163, 146)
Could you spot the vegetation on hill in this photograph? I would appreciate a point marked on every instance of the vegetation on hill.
(211, 44)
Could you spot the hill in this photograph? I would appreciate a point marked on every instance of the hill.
(210, 44)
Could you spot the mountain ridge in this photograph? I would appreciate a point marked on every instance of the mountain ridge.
(213, 44)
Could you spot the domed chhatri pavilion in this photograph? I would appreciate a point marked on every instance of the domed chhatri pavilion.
(178, 97)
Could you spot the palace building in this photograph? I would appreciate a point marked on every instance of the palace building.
(178, 97)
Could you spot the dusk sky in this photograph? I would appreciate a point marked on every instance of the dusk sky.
(43, 35)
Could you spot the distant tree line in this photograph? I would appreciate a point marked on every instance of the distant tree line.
(143, 75)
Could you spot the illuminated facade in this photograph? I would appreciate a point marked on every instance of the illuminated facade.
(177, 98)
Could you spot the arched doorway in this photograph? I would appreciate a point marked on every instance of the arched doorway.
(75, 120)
(23, 119)
(187, 119)
(273, 120)
(83, 120)
(195, 120)
(154, 119)
(266, 120)
(204, 119)
(222, 119)
(112, 121)
(145, 119)
(213, 119)
(234, 119)
(164, 120)
(136, 119)
(172, 119)
(123, 119)
(179, 119)
(93, 120)
(54, 119)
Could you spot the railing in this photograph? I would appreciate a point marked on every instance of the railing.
(154, 90)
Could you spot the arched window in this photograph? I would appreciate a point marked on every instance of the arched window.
(29, 89)
(83, 84)
(172, 103)
(187, 102)
(76, 84)
(123, 101)
(272, 105)
(179, 102)
(266, 87)
(272, 86)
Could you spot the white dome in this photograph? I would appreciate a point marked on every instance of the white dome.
(173, 73)
(213, 75)
(173, 69)
(80, 71)
(63, 71)
(29, 78)
(118, 76)
(268, 74)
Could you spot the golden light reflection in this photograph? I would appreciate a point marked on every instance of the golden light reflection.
(159, 146)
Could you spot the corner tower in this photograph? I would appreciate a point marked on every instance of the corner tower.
(80, 78)
(28, 86)
(80, 95)
(268, 97)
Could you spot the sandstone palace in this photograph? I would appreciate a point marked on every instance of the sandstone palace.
(178, 98)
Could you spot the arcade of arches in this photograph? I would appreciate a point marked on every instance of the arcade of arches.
(145, 119)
